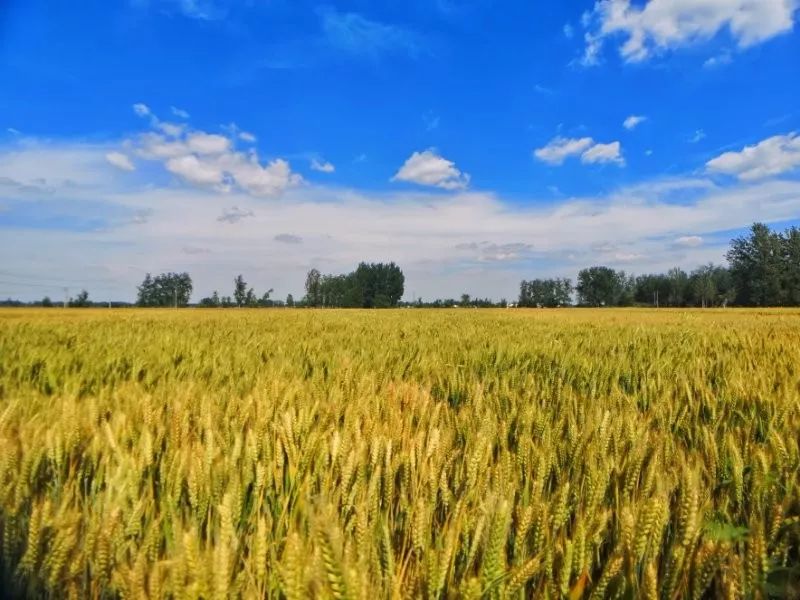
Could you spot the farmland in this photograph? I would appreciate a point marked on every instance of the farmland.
(400, 453)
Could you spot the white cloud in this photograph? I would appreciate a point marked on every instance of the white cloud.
(561, 148)
(246, 136)
(199, 172)
(179, 112)
(773, 156)
(428, 168)
(322, 166)
(697, 136)
(569, 31)
(603, 153)
(120, 160)
(660, 25)
(209, 160)
(207, 143)
(689, 241)
(142, 110)
(171, 129)
(632, 121)
(481, 243)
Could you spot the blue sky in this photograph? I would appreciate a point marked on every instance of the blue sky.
(474, 143)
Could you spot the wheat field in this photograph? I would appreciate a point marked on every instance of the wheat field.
(405, 453)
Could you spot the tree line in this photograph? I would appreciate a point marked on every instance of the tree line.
(763, 270)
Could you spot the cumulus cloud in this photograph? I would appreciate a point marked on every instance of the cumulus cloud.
(288, 238)
(659, 25)
(234, 215)
(772, 156)
(120, 160)
(322, 166)
(560, 148)
(209, 160)
(429, 168)
(632, 121)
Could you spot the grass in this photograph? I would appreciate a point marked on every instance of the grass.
(407, 453)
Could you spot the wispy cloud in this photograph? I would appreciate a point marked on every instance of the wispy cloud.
(179, 112)
(633, 121)
(323, 166)
(431, 120)
(697, 136)
(355, 34)
(288, 238)
(234, 215)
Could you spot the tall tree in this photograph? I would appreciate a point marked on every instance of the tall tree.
(81, 300)
(791, 267)
(313, 288)
(545, 292)
(240, 290)
(757, 267)
(166, 289)
(601, 286)
(678, 286)
(703, 285)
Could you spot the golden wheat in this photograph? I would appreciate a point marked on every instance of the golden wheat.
(357, 454)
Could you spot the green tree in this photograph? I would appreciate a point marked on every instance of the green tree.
(166, 289)
(703, 285)
(81, 300)
(313, 288)
(265, 299)
(791, 267)
(46, 302)
(601, 286)
(545, 293)
(757, 267)
(678, 286)
(289, 300)
(240, 290)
